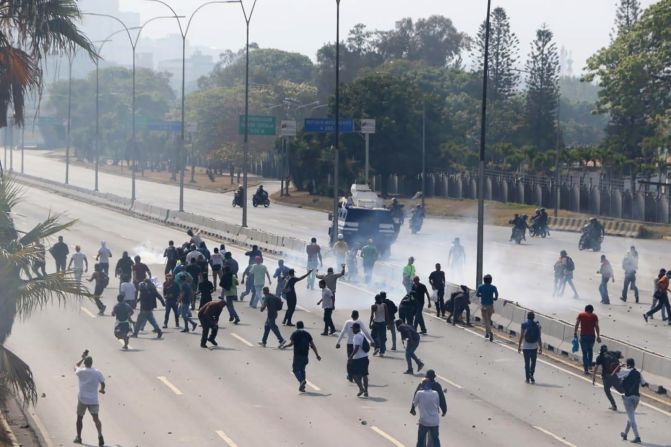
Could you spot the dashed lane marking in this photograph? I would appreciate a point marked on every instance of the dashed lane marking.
(552, 435)
(456, 385)
(226, 439)
(387, 436)
(233, 334)
(88, 312)
(167, 383)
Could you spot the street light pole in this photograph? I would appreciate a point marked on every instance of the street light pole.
(481, 164)
(67, 143)
(423, 153)
(556, 182)
(334, 233)
(180, 160)
(245, 161)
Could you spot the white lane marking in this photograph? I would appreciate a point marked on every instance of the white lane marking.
(310, 384)
(88, 312)
(233, 334)
(456, 385)
(226, 439)
(303, 309)
(386, 436)
(167, 383)
(659, 410)
(433, 316)
(552, 435)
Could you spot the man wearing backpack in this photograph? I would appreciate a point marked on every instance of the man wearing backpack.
(349, 333)
(632, 380)
(530, 344)
(609, 361)
(567, 273)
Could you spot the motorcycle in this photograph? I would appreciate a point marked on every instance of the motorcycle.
(518, 235)
(264, 200)
(237, 200)
(537, 230)
(588, 241)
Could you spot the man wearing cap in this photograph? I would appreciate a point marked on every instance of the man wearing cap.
(340, 249)
(80, 262)
(431, 376)
(428, 402)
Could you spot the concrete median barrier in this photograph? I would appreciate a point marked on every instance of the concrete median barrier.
(611, 227)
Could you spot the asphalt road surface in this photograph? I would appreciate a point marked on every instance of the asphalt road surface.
(522, 273)
(171, 392)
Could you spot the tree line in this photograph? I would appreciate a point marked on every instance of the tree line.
(417, 70)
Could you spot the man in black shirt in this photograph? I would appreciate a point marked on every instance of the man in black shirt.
(148, 296)
(609, 361)
(632, 380)
(209, 319)
(253, 253)
(437, 281)
(290, 295)
(420, 291)
(170, 255)
(301, 340)
(124, 266)
(60, 253)
(273, 304)
(231, 263)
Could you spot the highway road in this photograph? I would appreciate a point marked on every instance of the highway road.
(522, 273)
(171, 392)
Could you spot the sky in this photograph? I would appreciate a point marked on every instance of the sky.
(581, 26)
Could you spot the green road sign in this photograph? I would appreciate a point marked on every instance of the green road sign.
(259, 125)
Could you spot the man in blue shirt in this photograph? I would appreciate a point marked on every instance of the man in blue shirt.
(487, 293)
(282, 274)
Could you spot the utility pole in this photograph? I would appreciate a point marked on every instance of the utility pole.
(334, 221)
(423, 153)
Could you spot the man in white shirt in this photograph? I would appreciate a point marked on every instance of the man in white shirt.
(128, 290)
(428, 402)
(328, 304)
(87, 399)
(81, 264)
(103, 257)
(347, 331)
(358, 361)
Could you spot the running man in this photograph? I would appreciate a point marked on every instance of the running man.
(314, 253)
(349, 333)
(358, 361)
(488, 293)
(273, 304)
(302, 342)
(103, 257)
(78, 259)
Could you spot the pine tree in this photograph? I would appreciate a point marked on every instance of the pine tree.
(542, 96)
(627, 14)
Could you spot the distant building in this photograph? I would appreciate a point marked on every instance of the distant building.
(197, 65)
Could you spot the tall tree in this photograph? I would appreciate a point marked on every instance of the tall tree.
(29, 31)
(542, 96)
(627, 14)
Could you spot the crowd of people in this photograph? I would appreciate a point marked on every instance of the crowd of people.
(193, 275)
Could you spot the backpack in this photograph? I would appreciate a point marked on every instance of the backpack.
(570, 265)
(365, 345)
(611, 361)
(391, 307)
(533, 332)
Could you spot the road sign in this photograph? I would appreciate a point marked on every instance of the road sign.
(367, 126)
(165, 126)
(259, 125)
(288, 128)
(327, 125)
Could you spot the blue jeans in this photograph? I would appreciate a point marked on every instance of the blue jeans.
(432, 432)
(587, 346)
(603, 290)
(271, 326)
(231, 308)
(256, 295)
(144, 317)
(410, 348)
(379, 334)
(299, 364)
(530, 356)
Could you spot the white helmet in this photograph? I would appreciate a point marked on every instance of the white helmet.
(341, 237)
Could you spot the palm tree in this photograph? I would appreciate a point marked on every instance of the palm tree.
(21, 293)
(29, 31)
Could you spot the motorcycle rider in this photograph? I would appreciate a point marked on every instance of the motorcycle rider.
(239, 195)
(594, 230)
(396, 213)
(539, 222)
(261, 194)
(519, 223)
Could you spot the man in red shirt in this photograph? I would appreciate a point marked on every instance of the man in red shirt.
(588, 323)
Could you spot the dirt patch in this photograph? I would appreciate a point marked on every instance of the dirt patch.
(24, 433)
(201, 182)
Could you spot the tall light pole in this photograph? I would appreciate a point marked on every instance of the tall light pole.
(481, 164)
(245, 161)
(71, 57)
(133, 45)
(334, 232)
(557, 189)
(423, 153)
(181, 159)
